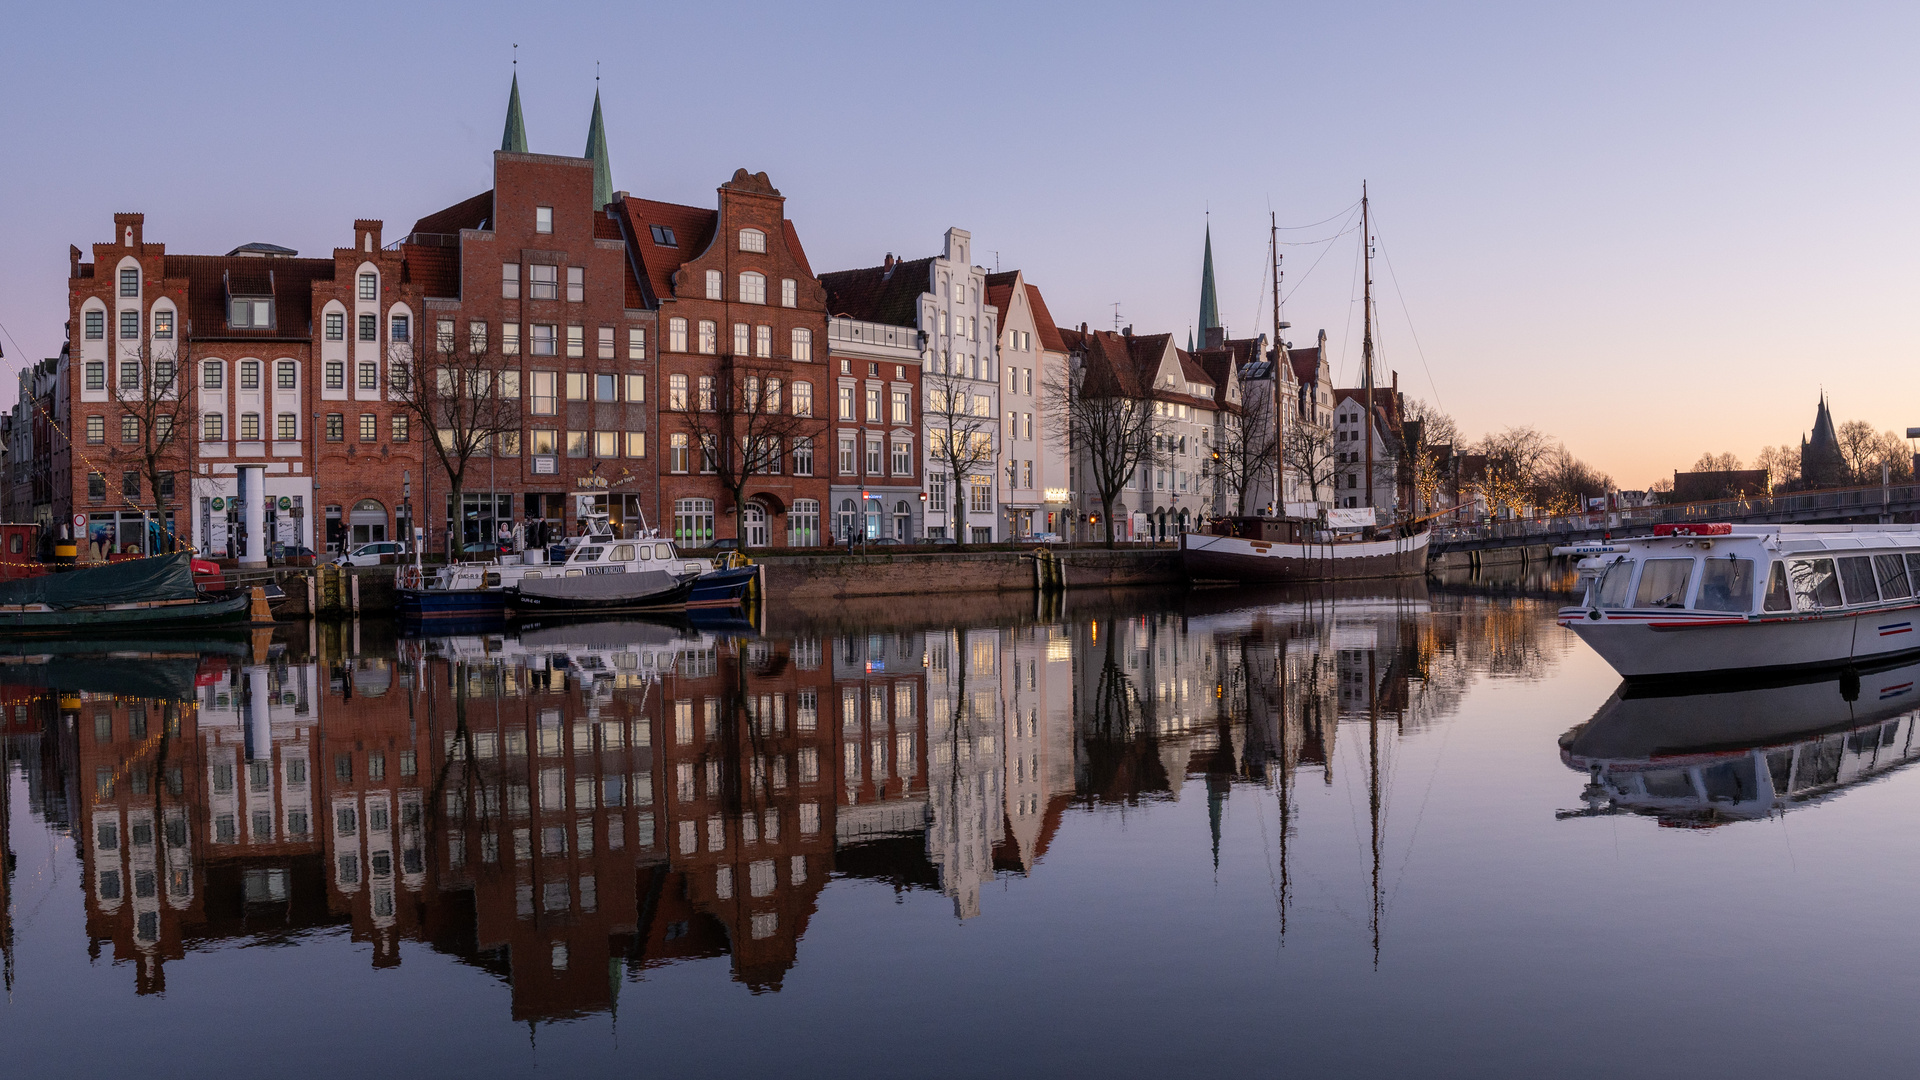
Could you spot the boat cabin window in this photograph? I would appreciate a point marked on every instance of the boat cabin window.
(1892, 572)
(623, 553)
(1726, 585)
(587, 554)
(1778, 598)
(663, 551)
(1613, 584)
(1913, 570)
(1815, 585)
(646, 552)
(530, 575)
(1663, 583)
(493, 580)
(1856, 577)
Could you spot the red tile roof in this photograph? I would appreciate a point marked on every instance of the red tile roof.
(474, 213)
(1126, 365)
(1306, 363)
(879, 294)
(1043, 322)
(692, 231)
(211, 279)
(436, 270)
(1000, 292)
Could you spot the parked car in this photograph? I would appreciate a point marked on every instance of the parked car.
(295, 555)
(727, 544)
(941, 540)
(1047, 538)
(374, 554)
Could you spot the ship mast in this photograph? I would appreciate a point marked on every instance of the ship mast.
(1279, 378)
(1366, 347)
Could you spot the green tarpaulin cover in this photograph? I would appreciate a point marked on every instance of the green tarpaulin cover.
(165, 577)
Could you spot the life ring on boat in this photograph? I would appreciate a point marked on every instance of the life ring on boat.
(409, 577)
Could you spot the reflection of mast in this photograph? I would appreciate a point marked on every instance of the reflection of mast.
(1373, 795)
(1286, 794)
(6, 869)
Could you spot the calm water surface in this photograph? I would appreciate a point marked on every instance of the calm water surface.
(1342, 835)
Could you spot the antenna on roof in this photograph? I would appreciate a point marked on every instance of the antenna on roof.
(1116, 316)
(996, 261)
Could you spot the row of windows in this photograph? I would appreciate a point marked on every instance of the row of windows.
(769, 453)
(900, 400)
(129, 430)
(543, 282)
(902, 458)
(95, 322)
(213, 427)
(545, 339)
(334, 326)
(752, 288)
(756, 396)
(131, 482)
(747, 340)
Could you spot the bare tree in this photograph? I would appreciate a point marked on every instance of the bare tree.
(1111, 433)
(1727, 462)
(153, 385)
(1246, 450)
(1436, 427)
(742, 425)
(1312, 454)
(1564, 483)
(465, 401)
(959, 425)
(1782, 464)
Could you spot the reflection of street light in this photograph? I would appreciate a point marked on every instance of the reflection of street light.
(406, 504)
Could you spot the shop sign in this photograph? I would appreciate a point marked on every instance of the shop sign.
(1056, 495)
(585, 483)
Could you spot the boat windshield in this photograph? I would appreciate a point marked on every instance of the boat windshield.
(1726, 585)
(1663, 583)
(1778, 598)
(1613, 584)
(587, 554)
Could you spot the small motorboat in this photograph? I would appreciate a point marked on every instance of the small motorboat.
(1721, 599)
(152, 594)
(478, 591)
(601, 594)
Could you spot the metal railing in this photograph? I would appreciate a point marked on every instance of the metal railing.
(1779, 508)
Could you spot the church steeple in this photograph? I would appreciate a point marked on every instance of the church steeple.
(597, 153)
(1209, 302)
(514, 139)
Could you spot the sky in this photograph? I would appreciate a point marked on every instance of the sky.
(1649, 230)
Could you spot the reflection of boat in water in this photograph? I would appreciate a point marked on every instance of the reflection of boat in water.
(160, 670)
(1744, 753)
(608, 648)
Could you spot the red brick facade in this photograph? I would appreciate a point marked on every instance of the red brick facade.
(297, 366)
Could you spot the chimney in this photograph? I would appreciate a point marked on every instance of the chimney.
(888, 265)
(1127, 330)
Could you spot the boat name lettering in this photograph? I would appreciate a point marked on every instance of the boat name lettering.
(613, 569)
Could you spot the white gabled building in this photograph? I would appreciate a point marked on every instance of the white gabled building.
(944, 298)
(1033, 477)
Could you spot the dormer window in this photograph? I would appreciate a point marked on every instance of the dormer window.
(753, 240)
(543, 219)
(249, 313)
(663, 236)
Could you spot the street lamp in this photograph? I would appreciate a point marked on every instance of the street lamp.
(406, 505)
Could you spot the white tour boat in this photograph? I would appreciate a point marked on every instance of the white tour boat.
(1722, 599)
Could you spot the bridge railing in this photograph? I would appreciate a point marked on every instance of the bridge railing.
(1833, 502)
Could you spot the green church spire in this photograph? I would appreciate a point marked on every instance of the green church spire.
(597, 153)
(1209, 303)
(514, 139)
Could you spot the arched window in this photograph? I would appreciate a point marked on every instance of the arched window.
(753, 288)
(848, 514)
(753, 240)
(693, 522)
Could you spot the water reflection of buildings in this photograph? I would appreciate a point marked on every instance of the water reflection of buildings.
(570, 808)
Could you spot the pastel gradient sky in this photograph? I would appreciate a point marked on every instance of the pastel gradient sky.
(1648, 229)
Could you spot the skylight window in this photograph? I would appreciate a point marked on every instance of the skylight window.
(663, 236)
